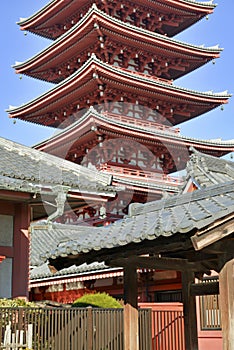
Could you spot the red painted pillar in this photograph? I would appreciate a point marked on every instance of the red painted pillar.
(20, 276)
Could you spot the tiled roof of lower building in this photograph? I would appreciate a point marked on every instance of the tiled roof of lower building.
(147, 222)
(43, 271)
(206, 170)
(25, 169)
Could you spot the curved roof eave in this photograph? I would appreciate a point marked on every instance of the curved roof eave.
(137, 129)
(63, 40)
(208, 3)
(54, 6)
(94, 63)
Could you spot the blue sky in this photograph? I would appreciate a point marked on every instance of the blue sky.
(16, 46)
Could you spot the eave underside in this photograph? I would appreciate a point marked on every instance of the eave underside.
(103, 141)
(101, 84)
(168, 253)
(161, 16)
(116, 44)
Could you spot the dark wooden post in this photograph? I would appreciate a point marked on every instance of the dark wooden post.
(226, 289)
(131, 333)
(190, 316)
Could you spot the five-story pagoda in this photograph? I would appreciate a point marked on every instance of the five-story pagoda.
(113, 64)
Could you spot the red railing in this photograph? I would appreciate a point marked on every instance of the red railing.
(148, 76)
(167, 326)
(136, 173)
(144, 123)
(168, 329)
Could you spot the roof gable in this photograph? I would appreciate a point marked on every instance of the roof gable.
(205, 170)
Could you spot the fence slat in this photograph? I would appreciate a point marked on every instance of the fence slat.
(87, 328)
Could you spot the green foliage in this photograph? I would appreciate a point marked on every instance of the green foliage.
(102, 300)
(16, 303)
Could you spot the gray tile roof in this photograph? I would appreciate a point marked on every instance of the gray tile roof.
(151, 216)
(25, 169)
(147, 222)
(205, 170)
(43, 271)
(45, 239)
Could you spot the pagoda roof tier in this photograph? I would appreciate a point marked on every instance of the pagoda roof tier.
(115, 42)
(97, 82)
(94, 129)
(163, 16)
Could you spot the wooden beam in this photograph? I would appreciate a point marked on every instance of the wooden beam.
(208, 288)
(220, 247)
(217, 231)
(155, 263)
(226, 285)
(160, 245)
(14, 195)
(190, 317)
(131, 332)
(200, 256)
(164, 264)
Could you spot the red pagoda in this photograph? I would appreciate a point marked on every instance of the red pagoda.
(114, 64)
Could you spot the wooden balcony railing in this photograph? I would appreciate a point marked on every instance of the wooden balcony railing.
(148, 76)
(143, 123)
(140, 174)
